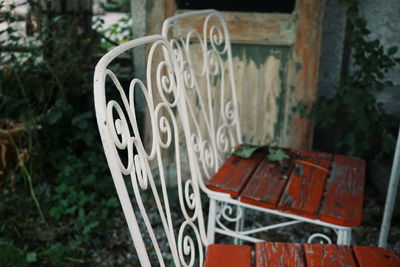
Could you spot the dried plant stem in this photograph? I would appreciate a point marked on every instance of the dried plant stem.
(28, 177)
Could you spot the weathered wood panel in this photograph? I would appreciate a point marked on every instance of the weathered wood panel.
(343, 200)
(303, 72)
(234, 174)
(261, 50)
(329, 255)
(267, 183)
(273, 254)
(374, 256)
(261, 74)
(251, 28)
(292, 254)
(304, 191)
(276, 62)
(261, 86)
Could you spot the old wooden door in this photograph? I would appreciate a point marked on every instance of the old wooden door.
(276, 62)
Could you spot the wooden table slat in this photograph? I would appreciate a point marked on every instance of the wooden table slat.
(270, 254)
(306, 184)
(273, 254)
(235, 173)
(223, 255)
(329, 255)
(344, 196)
(375, 256)
(267, 183)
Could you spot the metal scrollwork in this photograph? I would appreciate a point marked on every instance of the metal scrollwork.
(222, 139)
(227, 212)
(187, 247)
(323, 238)
(128, 157)
(205, 62)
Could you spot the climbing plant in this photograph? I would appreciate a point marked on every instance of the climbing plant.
(362, 126)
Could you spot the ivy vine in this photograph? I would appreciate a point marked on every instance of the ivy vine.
(362, 127)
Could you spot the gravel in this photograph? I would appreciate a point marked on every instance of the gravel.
(120, 251)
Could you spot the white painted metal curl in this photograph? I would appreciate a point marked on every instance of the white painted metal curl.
(130, 160)
(321, 236)
(227, 212)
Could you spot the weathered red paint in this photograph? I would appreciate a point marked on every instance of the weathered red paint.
(311, 184)
(267, 183)
(344, 195)
(306, 185)
(328, 255)
(222, 255)
(234, 174)
(374, 257)
(279, 254)
(292, 254)
(304, 70)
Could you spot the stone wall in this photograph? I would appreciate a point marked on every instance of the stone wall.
(383, 21)
(383, 18)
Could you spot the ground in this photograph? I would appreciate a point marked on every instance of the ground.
(120, 251)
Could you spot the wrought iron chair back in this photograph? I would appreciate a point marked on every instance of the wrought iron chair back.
(201, 43)
(205, 62)
(139, 172)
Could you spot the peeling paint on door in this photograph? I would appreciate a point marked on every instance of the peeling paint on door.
(261, 74)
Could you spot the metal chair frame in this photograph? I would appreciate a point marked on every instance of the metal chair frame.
(214, 124)
(139, 171)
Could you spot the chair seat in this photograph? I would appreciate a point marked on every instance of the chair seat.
(294, 254)
(220, 255)
(310, 184)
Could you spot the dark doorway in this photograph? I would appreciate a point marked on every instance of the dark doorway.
(280, 6)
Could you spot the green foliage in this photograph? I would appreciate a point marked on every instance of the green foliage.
(117, 5)
(46, 83)
(277, 154)
(117, 33)
(31, 257)
(10, 255)
(245, 150)
(363, 128)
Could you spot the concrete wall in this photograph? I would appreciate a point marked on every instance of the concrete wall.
(383, 20)
(333, 33)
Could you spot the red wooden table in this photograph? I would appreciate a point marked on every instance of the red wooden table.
(310, 184)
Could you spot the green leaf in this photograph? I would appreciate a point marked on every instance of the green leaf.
(277, 154)
(245, 151)
(31, 257)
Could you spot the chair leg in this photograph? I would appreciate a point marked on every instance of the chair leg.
(212, 213)
(240, 212)
(344, 237)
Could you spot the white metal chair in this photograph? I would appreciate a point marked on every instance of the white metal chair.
(205, 62)
(138, 171)
(166, 223)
